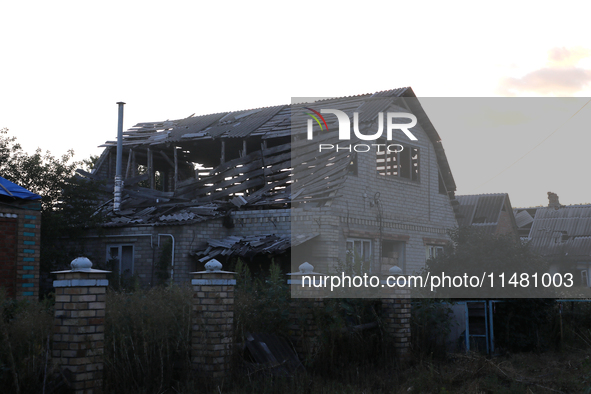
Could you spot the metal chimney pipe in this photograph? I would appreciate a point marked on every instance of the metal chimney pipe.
(118, 177)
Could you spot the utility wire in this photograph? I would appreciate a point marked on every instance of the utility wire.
(532, 149)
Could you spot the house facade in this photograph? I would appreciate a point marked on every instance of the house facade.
(561, 234)
(256, 185)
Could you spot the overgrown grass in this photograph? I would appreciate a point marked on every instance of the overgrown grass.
(148, 334)
(147, 339)
(25, 337)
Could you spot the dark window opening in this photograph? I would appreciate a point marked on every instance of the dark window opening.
(442, 188)
(395, 162)
(121, 257)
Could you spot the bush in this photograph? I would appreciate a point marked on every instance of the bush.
(523, 324)
(431, 323)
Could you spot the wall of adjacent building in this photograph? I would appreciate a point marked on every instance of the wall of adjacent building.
(20, 234)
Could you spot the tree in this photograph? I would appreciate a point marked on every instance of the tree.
(474, 253)
(68, 201)
(520, 323)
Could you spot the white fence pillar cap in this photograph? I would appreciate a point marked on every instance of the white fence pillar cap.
(395, 270)
(213, 266)
(81, 264)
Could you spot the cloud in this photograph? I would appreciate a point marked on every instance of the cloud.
(564, 57)
(560, 77)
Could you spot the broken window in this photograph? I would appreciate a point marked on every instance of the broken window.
(121, 259)
(397, 160)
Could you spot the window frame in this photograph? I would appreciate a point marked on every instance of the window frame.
(398, 246)
(119, 255)
(362, 241)
(432, 251)
(384, 155)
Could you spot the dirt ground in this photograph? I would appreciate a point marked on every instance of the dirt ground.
(568, 371)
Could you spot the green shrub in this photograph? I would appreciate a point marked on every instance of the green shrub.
(431, 322)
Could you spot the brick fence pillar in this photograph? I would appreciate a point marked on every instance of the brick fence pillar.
(306, 302)
(213, 319)
(78, 339)
(396, 311)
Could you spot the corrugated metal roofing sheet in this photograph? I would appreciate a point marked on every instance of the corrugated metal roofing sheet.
(523, 218)
(563, 231)
(193, 125)
(480, 209)
(488, 209)
(464, 214)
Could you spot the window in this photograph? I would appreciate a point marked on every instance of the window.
(122, 258)
(393, 255)
(584, 279)
(359, 248)
(433, 251)
(392, 161)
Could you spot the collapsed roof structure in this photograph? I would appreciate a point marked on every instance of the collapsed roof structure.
(557, 230)
(194, 169)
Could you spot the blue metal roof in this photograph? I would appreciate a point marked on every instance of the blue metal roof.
(10, 189)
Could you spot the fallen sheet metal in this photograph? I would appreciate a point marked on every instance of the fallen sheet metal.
(272, 354)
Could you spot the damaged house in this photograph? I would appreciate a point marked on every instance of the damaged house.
(257, 183)
(562, 234)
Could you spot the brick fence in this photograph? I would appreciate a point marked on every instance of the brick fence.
(78, 339)
(213, 319)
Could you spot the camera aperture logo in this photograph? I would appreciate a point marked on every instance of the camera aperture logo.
(344, 122)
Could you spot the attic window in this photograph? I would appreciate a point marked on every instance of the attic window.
(396, 162)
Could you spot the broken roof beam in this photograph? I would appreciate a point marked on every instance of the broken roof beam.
(166, 158)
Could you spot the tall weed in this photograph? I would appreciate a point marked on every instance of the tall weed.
(147, 339)
(25, 336)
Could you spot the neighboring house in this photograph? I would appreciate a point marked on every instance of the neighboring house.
(249, 183)
(20, 227)
(492, 213)
(560, 233)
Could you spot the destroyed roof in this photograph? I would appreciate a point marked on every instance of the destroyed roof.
(259, 174)
(482, 210)
(565, 231)
(247, 246)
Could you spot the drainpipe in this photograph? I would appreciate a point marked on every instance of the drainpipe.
(172, 259)
(118, 177)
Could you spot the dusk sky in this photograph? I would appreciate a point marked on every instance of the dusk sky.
(66, 63)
